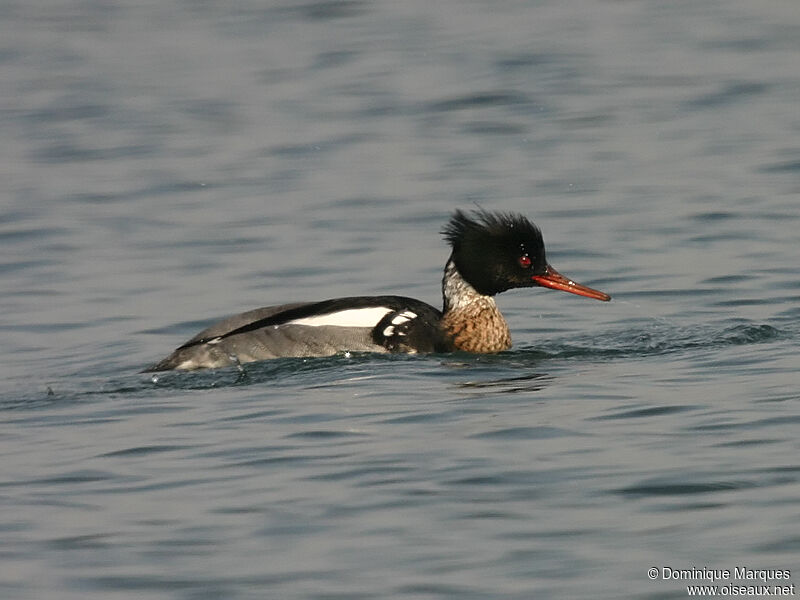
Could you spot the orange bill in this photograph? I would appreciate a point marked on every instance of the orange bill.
(555, 280)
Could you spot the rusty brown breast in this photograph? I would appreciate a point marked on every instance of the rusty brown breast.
(477, 327)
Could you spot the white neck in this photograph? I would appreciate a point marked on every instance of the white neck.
(457, 293)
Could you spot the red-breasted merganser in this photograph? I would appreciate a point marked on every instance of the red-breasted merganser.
(491, 253)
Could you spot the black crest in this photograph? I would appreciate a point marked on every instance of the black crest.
(495, 251)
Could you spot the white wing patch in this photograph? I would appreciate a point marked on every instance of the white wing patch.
(403, 317)
(395, 328)
(352, 317)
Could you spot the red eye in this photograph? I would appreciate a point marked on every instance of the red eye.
(524, 261)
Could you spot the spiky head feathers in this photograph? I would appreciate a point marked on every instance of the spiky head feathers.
(495, 251)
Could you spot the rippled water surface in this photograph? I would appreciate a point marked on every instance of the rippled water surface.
(166, 164)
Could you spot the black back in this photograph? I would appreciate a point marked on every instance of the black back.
(427, 319)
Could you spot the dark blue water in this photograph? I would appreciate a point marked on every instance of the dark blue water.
(166, 164)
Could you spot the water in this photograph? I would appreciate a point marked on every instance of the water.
(166, 164)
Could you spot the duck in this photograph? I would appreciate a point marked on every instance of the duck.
(491, 252)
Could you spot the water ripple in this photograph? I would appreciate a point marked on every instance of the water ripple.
(658, 339)
(652, 488)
